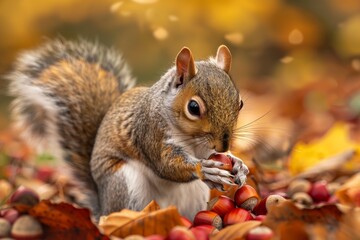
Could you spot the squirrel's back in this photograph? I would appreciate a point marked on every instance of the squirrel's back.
(62, 91)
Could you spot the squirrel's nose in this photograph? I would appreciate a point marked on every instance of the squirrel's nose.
(223, 144)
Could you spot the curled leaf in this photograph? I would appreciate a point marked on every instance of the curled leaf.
(145, 223)
(235, 231)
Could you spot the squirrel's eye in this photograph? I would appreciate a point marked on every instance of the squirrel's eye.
(193, 108)
(241, 104)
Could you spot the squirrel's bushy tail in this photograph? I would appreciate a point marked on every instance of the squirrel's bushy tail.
(62, 91)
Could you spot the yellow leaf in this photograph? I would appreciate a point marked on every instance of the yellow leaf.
(335, 141)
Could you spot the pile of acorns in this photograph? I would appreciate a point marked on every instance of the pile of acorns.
(20, 226)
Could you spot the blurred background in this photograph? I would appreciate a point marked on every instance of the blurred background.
(300, 59)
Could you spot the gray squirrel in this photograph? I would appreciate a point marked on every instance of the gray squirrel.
(126, 146)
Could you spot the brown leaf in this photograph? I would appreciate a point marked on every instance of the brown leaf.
(349, 226)
(127, 222)
(236, 231)
(151, 207)
(349, 192)
(287, 217)
(64, 221)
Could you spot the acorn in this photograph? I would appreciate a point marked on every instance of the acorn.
(45, 173)
(24, 195)
(259, 233)
(246, 197)
(298, 185)
(5, 228)
(10, 214)
(260, 218)
(237, 215)
(26, 227)
(185, 221)
(265, 204)
(221, 205)
(199, 234)
(302, 198)
(319, 192)
(209, 229)
(222, 158)
(208, 218)
(180, 233)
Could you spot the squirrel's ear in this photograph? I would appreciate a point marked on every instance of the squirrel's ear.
(185, 66)
(223, 58)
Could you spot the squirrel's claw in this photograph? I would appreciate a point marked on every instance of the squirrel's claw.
(240, 170)
(215, 177)
(217, 186)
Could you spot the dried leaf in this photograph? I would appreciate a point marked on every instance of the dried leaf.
(349, 192)
(349, 226)
(64, 221)
(112, 222)
(236, 231)
(151, 207)
(287, 217)
(127, 222)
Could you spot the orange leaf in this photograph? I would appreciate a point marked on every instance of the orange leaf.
(64, 221)
(287, 218)
(112, 222)
(236, 231)
(127, 222)
(349, 192)
(151, 207)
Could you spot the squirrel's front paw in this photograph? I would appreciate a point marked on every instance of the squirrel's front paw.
(240, 170)
(214, 176)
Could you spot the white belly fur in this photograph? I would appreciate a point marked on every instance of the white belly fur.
(144, 186)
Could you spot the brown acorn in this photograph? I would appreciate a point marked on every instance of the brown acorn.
(185, 221)
(10, 214)
(302, 198)
(265, 204)
(298, 185)
(180, 233)
(208, 218)
(224, 159)
(237, 215)
(24, 195)
(221, 205)
(209, 229)
(246, 197)
(319, 192)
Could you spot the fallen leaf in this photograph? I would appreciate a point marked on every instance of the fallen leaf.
(349, 226)
(349, 192)
(151, 207)
(287, 217)
(112, 222)
(145, 223)
(236, 231)
(335, 141)
(64, 221)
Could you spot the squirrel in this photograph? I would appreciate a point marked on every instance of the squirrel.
(126, 146)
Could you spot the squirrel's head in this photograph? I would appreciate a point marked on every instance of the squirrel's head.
(207, 102)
